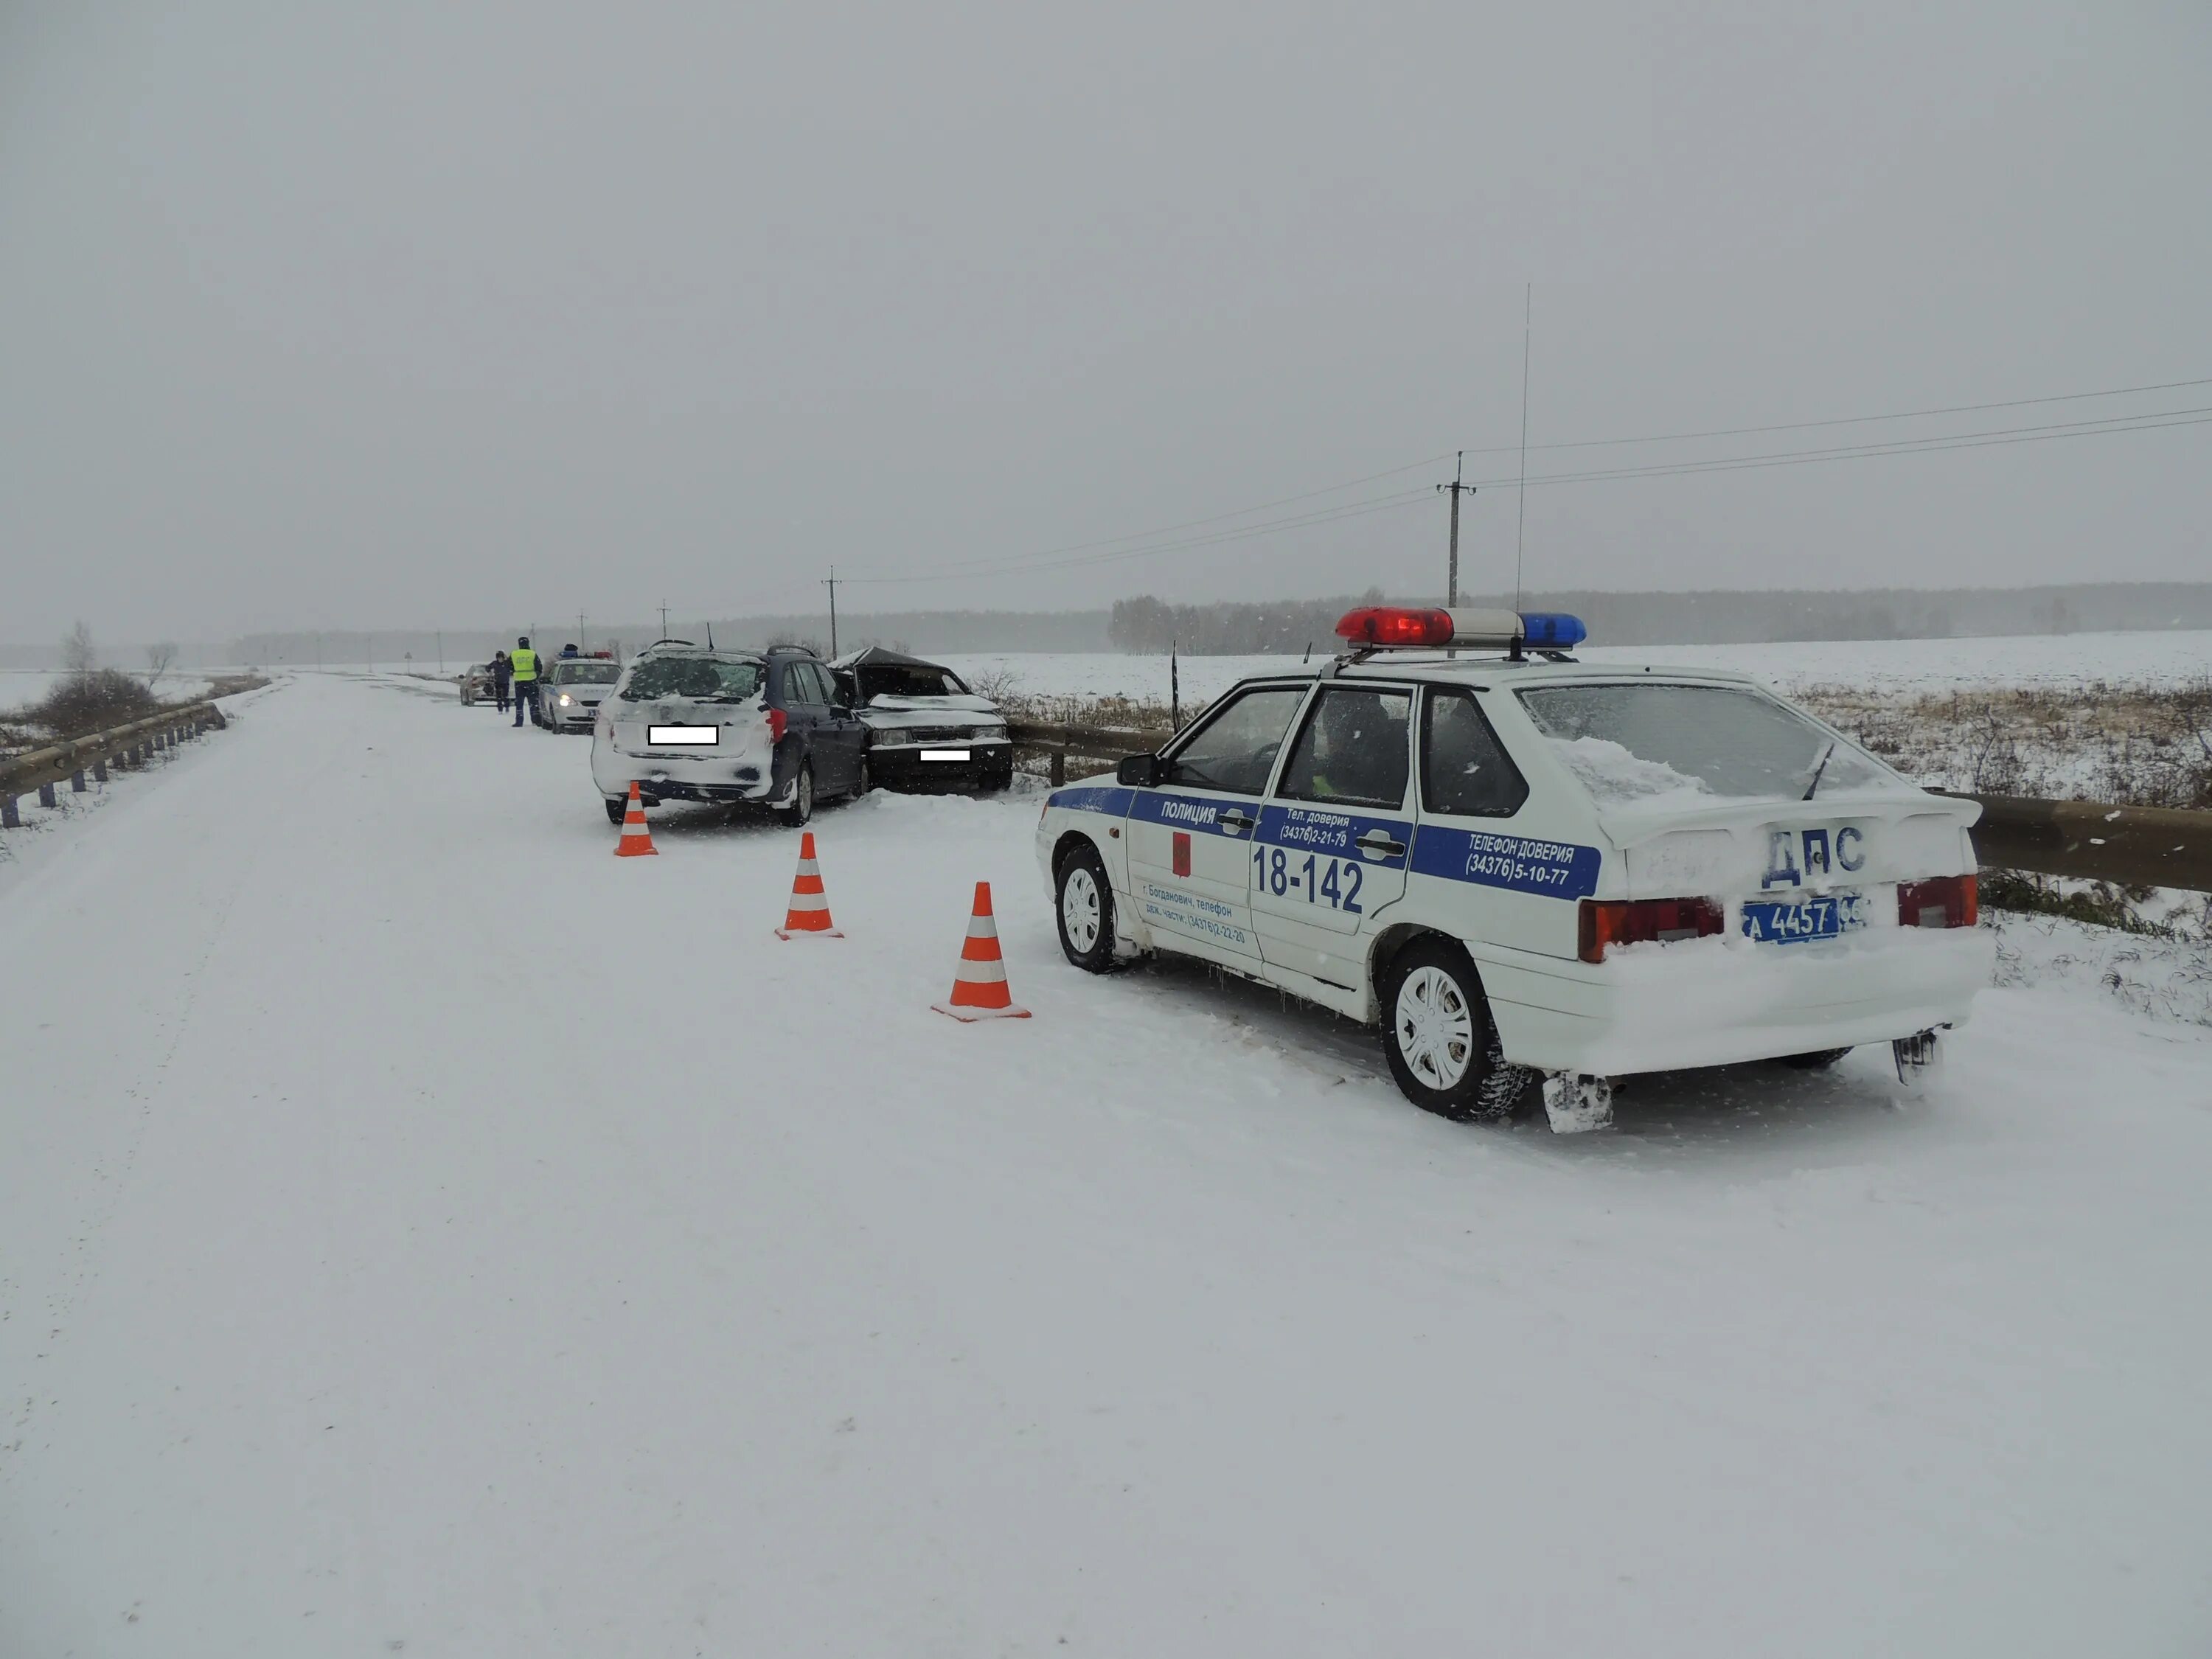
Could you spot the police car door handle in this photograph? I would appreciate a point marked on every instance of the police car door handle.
(1379, 843)
(1235, 822)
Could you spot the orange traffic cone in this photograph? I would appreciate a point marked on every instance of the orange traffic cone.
(979, 990)
(636, 841)
(809, 914)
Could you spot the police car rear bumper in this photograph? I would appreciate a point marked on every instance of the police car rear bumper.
(1720, 1001)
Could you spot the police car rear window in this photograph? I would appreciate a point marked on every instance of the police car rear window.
(1647, 741)
(709, 678)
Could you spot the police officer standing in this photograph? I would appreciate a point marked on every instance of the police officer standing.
(523, 662)
(503, 671)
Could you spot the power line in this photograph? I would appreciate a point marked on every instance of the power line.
(1297, 521)
(989, 561)
(2001, 437)
(1113, 548)
(1051, 558)
(1849, 420)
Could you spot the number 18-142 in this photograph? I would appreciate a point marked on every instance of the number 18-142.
(1334, 882)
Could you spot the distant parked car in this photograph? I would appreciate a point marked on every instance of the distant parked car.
(574, 689)
(766, 728)
(927, 729)
(476, 685)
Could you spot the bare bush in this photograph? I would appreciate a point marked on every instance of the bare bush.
(1002, 685)
(92, 701)
(158, 659)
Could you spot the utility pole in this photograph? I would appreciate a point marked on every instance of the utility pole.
(832, 586)
(441, 654)
(1451, 565)
(663, 619)
(579, 630)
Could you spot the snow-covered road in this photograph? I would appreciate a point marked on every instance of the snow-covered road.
(418, 1226)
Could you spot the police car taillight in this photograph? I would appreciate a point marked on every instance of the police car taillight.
(1392, 627)
(1944, 901)
(1644, 921)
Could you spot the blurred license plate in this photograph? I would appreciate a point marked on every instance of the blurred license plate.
(1777, 923)
(944, 754)
(671, 737)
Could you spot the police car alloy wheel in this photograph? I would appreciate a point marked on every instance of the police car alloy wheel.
(617, 808)
(1436, 1031)
(1086, 912)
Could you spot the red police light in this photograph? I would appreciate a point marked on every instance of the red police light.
(1384, 624)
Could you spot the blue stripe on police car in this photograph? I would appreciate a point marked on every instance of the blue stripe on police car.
(1187, 812)
(1318, 829)
(1114, 802)
(1519, 864)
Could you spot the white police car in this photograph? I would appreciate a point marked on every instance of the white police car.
(1520, 862)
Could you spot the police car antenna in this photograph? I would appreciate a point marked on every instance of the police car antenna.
(1521, 478)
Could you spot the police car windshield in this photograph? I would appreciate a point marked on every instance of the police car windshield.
(1645, 742)
(707, 679)
(586, 674)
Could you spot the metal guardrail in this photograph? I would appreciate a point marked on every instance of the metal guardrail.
(134, 745)
(2088, 840)
(1104, 742)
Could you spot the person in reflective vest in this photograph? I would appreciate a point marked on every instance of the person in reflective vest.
(524, 661)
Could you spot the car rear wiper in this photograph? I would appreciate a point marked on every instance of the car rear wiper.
(1819, 768)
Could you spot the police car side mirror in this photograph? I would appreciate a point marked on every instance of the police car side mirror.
(1142, 770)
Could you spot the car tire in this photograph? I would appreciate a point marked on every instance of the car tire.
(802, 797)
(1082, 909)
(1437, 1034)
(1819, 1059)
(617, 808)
(861, 781)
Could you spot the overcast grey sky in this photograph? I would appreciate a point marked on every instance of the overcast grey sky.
(327, 314)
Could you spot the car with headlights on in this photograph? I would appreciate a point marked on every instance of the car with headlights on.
(573, 687)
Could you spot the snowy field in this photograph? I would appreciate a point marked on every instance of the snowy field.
(19, 687)
(1897, 667)
(422, 1232)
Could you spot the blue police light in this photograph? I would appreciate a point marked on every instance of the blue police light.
(1552, 630)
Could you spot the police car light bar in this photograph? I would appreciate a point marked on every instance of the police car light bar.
(1405, 628)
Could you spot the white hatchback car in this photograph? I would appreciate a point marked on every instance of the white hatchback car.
(1519, 862)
